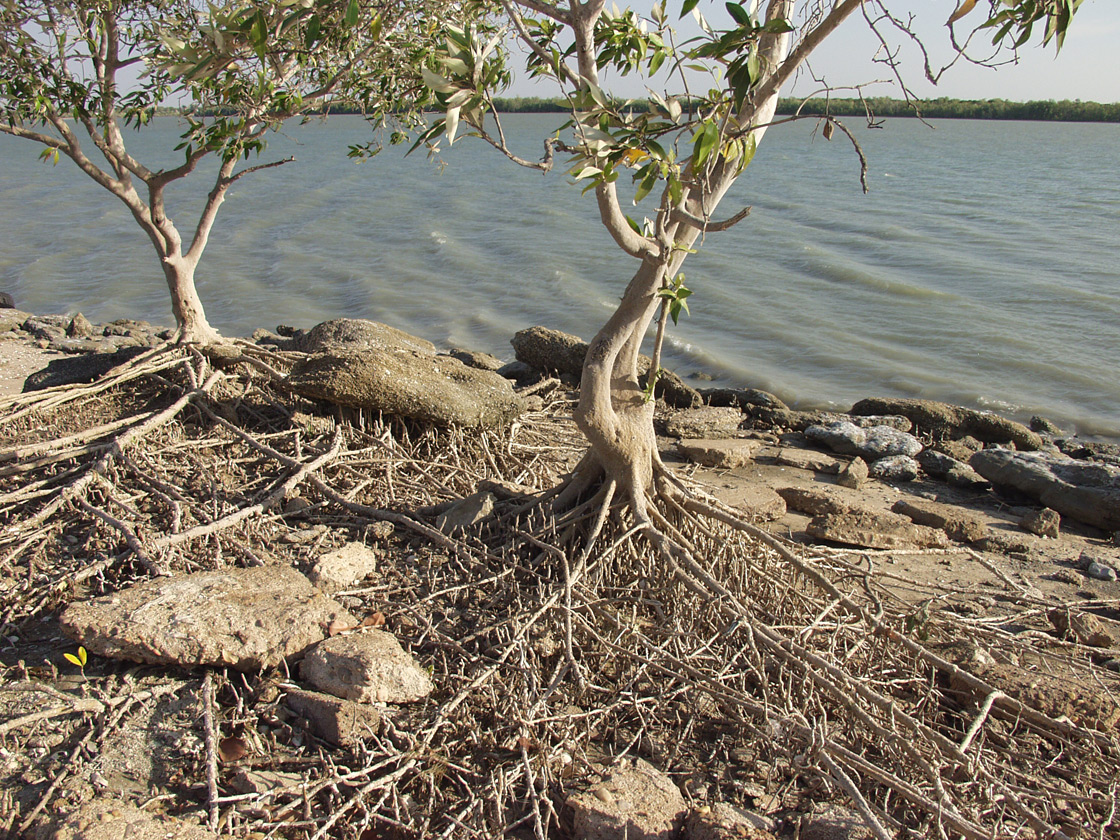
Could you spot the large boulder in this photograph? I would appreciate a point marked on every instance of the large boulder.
(434, 389)
(552, 350)
(244, 618)
(1083, 490)
(871, 444)
(358, 334)
(942, 420)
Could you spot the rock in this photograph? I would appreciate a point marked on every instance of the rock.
(758, 502)
(891, 421)
(786, 418)
(745, 399)
(359, 334)
(6, 301)
(954, 521)
(366, 667)
(854, 474)
(1086, 491)
(967, 478)
(941, 420)
(954, 472)
(343, 568)
(129, 328)
(109, 818)
(245, 618)
(726, 822)
(1084, 628)
(721, 454)
(519, 372)
(1044, 427)
(474, 359)
(1090, 450)
(895, 468)
(552, 350)
(1095, 569)
(806, 459)
(702, 423)
(80, 327)
(635, 802)
(466, 512)
(959, 450)
(341, 722)
(433, 389)
(1042, 523)
(265, 781)
(834, 822)
(813, 502)
(871, 529)
(871, 444)
(78, 369)
(49, 328)
(12, 319)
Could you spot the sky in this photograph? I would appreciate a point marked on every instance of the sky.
(1087, 68)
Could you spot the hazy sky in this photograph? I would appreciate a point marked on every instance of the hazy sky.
(1087, 68)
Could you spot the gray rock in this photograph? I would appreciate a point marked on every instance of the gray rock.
(745, 399)
(129, 328)
(475, 359)
(1044, 427)
(109, 818)
(80, 327)
(807, 459)
(942, 420)
(834, 822)
(433, 389)
(6, 301)
(12, 319)
(1083, 490)
(342, 722)
(726, 822)
(1090, 450)
(343, 567)
(50, 328)
(854, 474)
(895, 468)
(704, 423)
(725, 454)
(871, 529)
(871, 444)
(954, 521)
(359, 334)
(1042, 523)
(245, 618)
(1099, 571)
(635, 802)
(552, 350)
(812, 502)
(892, 421)
(466, 512)
(366, 667)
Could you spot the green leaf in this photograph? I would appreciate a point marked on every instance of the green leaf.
(647, 184)
(706, 139)
(688, 6)
(314, 28)
(740, 15)
(352, 12)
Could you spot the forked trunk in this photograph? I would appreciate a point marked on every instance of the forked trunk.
(190, 317)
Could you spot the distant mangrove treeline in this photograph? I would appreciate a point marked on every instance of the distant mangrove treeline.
(882, 106)
(875, 107)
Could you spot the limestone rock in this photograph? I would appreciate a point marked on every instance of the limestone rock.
(112, 819)
(552, 350)
(942, 420)
(745, 399)
(726, 822)
(359, 334)
(757, 502)
(807, 459)
(475, 359)
(727, 453)
(954, 472)
(467, 512)
(343, 567)
(954, 521)
(871, 444)
(433, 389)
(702, 423)
(79, 327)
(342, 722)
(6, 301)
(1083, 490)
(854, 474)
(813, 502)
(635, 802)
(895, 468)
(1043, 523)
(1097, 566)
(12, 319)
(244, 618)
(834, 822)
(1083, 627)
(366, 667)
(870, 529)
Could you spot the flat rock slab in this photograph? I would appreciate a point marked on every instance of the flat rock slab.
(366, 667)
(758, 502)
(704, 423)
(807, 459)
(726, 822)
(243, 618)
(957, 523)
(1087, 491)
(871, 444)
(114, 819)
(433, 389)
(870, 529)
(726, 453)
(635, 802)
(342, 722)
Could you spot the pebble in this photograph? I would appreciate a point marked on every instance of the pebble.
(1100, 572)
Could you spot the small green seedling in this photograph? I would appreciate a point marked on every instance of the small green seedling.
(80, 660)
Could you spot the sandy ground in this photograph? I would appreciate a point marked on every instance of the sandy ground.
(18, 360)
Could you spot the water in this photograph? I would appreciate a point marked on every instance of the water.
(980, 269)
